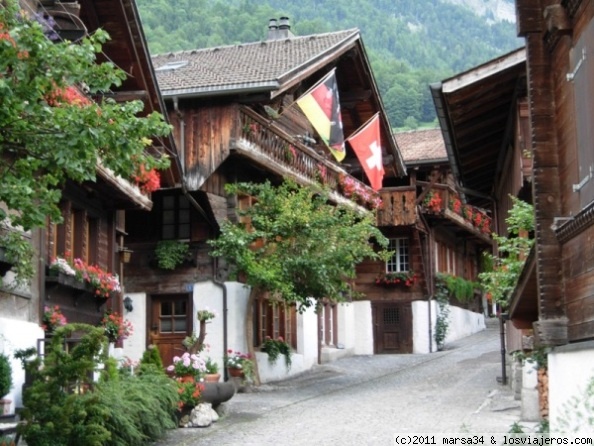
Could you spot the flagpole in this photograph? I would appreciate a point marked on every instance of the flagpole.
(322, 80)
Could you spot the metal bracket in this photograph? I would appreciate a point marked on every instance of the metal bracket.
(582, 183)
(571, 76)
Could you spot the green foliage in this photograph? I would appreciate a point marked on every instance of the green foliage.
(211, 366)
(151, 360)
(411, 43)
(458, 287)
(65, 406)
(19, 252)
(47, 138)
(443, 313)
(539, 357)
(276, 347)
(516, 428)
(5, 375)
(503, 270)
(577, 413)
(136, 410)
(171, 253)
(308, 249)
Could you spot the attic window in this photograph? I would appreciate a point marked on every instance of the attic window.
(171, 66)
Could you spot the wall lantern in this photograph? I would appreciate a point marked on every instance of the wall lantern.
(125, 254)
(128, 304)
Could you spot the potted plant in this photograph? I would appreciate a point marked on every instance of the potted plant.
(52, 319)
(5, 383)
(276, 347)
(239, 365)
(171, 253)
(116, 327)
(212, 371)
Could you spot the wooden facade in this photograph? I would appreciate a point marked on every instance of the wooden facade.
(561, 77)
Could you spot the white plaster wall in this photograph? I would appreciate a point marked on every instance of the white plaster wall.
(421, 335)
(307, 338)
(462, 323)
(135, 345)
(16, 335)
(569, 374)
(237, 299)
(363, 327)
(346, 335)
(209, 295)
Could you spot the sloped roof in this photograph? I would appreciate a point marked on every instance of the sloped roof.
(262, 65)
(473, 109)
(422, 146)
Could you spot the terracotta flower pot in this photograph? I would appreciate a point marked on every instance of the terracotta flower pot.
(235, 373)
(212, 377)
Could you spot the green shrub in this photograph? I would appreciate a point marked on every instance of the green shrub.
(140, 408)
(64, 406)
(5, 375)
(151, 361)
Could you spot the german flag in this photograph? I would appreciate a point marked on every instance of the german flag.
(321, 107)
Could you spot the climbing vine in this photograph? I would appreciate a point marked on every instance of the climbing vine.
(442, 323)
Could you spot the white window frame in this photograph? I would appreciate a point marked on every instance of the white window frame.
(400, 260)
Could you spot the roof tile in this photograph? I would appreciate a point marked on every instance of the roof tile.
(243, 66)
(421, 145)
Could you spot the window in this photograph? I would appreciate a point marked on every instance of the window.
(175, 217)
(274, 320)
(173, 316)
(400, 259)
(77, 235)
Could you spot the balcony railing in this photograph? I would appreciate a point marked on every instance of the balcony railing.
(445, 202)
(283, 153)
(399, 208)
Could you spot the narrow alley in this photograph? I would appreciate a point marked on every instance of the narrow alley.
(367, 399)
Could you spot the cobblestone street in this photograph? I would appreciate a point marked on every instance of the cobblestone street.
(366, 399)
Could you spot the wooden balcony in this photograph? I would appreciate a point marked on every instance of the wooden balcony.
(273, 148)
(401, 207)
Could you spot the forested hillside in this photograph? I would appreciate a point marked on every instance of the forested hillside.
(410, 42)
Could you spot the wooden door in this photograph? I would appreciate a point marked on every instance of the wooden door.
(170, 321)
(392, 323)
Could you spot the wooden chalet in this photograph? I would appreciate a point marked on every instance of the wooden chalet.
(93, 229)
(483, 114)
(430, 234)
(521, 124)
(557, 293)
(235, 118)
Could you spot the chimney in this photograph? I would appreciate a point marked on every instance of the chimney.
(280, 31)
(272, 29)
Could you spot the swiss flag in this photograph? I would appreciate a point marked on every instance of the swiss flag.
(367, 146)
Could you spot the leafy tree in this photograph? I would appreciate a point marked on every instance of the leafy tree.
(503, 270)
(51, 132)
(297, 246)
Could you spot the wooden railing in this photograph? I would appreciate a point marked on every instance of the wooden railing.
(444, 201)
(400, 208)
(295, 158)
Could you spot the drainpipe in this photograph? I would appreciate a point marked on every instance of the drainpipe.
(182, 134)
(502, 318)
(429, 275)
(222, 285)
